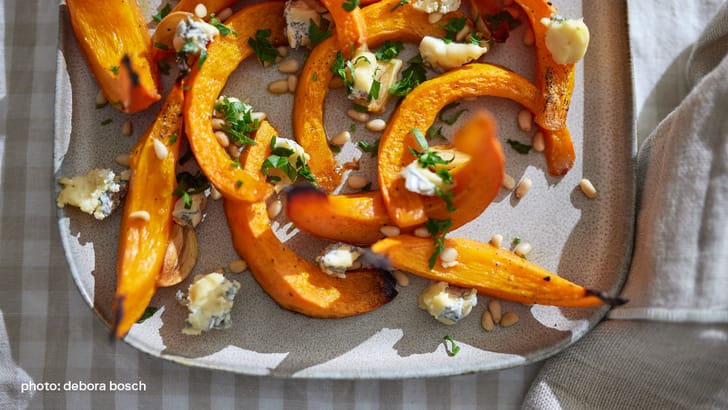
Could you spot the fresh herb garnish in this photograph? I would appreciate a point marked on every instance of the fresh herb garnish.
(454, 348)
(191, 47)
(519, 147)
(388, 50)
(339, 68)
(222, 28)
(202, 58)
(453, 27)
(452, 119)
(374, 90)
(262, 46)
(315, 76)
(350, 5)
(188, 184)
(398, 5)
(335, 148)
(352, 127)
(114, 69)
(372, 149)
(107, 121)
(148, 312)
(516, 240)
(239, 121)
(280, 158)
(161, 46)
(318, 34)
(172, 139)
(361, 108)
(162, 13)
(500, 25)
(238, 183)
(431, 161)
(433, 132)
(236, 163)
(413, 75)
(438, 228)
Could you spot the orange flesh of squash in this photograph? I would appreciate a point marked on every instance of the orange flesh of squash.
(142, 244)
(105, 35)
(351, 29)
(213, 6)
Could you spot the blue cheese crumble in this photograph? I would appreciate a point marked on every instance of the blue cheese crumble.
(209, 301)
(448, 304)
(443, 56)
(337, 258)
(299, 15)
(97, 193)
(368, 74)
(193, 36)
(566, 39)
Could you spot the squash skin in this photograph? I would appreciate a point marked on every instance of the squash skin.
(142, 244)
(291, 281)
(105, 36)
(493, 271)
(206, 84)
(404, 23)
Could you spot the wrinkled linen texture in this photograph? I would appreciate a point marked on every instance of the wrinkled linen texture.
(668, 347)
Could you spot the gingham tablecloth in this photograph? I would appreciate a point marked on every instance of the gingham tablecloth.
(55, 338)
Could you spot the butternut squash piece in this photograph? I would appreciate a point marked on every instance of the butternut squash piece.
(351, 29)
(559, 151)
(213, 6)
(404, 23)
(493, 271)
(117, 47)
(206, 83)
(143, 241)
(293, 282)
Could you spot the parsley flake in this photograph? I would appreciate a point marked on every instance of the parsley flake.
(398, 5)
(148, 312)
(339, 68)
(454, 348)
(188, 184)
(521, 148)
(453, 27)
(239, 121)
(280, 159)
(350, 5)
(412, 76)
(372, 149)
(114, 69)
(388, 50)
(222, 28)
(452, 119)
(107, 121)
(438, 228)
(318, 33)
(162, 13)
(262, 46)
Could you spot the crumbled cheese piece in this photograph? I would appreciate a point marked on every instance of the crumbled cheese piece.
(436, 6)
(566, 39)
(421, 180)
(337, 258)
(190, 216)
(97, 193)
(366, 70)
(443, 56)
(209, 301)
(298, 151)
(448, 304)
(195, 32)
(298, 15)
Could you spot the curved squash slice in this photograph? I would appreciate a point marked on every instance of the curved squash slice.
(147, 216)
(351, 29)
(206, 83)
(293, 282)
(492, 271)
(117, 47)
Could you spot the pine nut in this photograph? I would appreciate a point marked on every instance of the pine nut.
(222, 138)
(292, 83)
(225, 13)
(376, 125)
(525, 120)
(200, 10)
(389, 230)
(122, 159)
(357, 116)
(496, 240)
(275, 208)
(422, 232)
(234, 151)
(336, 82)
(508, 182)
(278, 87)
(522, 249)
(509, 319)
(494, 307)
(487, 321)
(462, 34)
(289, 66)
(588, 188)
(538, 143)
(218, 123)
(523, 187)
(101, 99)
(143, 215)
(258, 115)
(528, 37)
(238, 266)
(283, 51)
(160, 150)
(127, 128)
(357, 182)
(449, 255)
(433, 18)
(214, 193)
(401, 278)
(341, 138)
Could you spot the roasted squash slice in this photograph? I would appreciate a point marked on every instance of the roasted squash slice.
(206, 83)
(351, 29)
(147, 216)
(293, 282)
(493, 271)
(419, 110)
(404, 23)
(213, 6)
(117, 46)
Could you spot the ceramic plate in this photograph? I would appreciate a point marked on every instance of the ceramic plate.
(586, 241)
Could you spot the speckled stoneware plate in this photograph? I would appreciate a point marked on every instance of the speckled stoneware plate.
(587, 241)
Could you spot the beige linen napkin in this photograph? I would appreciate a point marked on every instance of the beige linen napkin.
(670, 347)
(12, 377)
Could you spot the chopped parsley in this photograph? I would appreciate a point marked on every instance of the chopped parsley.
(372, 149)
(280, 159)
(262, 46)
(161, 46)
(452, 119)
(412, 76)
(148, 312)
(350, 5)
(516, 240)
(318, 34)
(335, 148)
(236, 163)
(172, 139)
(454, 348)
(238, 183)
(361, 108)
(191, 47)
(339, 68)
(433, 132)
(162, 13)
(239, 122)
(188, 184)
(107, 121)
(222, 28)
(398, 5)
(388, 50)
(521, 148)
(430, 160)
(438, 228)
(352, 127)
(114, 69)
(453, 27)
(374, 90)
(315, 76)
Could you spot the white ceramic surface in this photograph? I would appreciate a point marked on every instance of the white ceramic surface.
(587, 241)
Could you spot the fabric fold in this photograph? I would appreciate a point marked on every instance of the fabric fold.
(12, 377)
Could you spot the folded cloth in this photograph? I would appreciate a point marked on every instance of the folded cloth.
(670, 348)
(12, 377)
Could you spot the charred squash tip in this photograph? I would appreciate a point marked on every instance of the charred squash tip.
(607, 299)
(302, 190)
(133, 75)
(118, 314)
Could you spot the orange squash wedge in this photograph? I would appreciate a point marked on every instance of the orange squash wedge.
(213, 6)
(291, 281)
(351, 29)
(117, 47)
(404, 23)
(493, 271)
(147, 215)
(206, 83)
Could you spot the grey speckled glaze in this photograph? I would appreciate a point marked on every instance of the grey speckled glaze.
(587, 241)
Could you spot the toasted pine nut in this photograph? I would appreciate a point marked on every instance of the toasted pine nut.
(101, 99)
(289, 66)
(225, 13)
(233, 150)
(238, 266)
(508, 182)
(522, 249)
(525, 120)
(462, 34)
(143, 215)
(160, 150)
(275, 208)
(449, 255)
(487, 321)
(214, 193)
(200, 10)
(283, 51)
(357, 182)
(389, 230)
(523, 187)
(509, 319)
(433, 18)
(494, 307)
(357, 116)
(222, 138)
(401, 278)
(376, 125)
(528, 37)
(292, 83)
(538, 143)
(278, 87)
(122, 159)
(127, 128)
(496, 240)
(336, 82)
(341, 138)
(588, 188)
(422, 232)
(217, 123)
